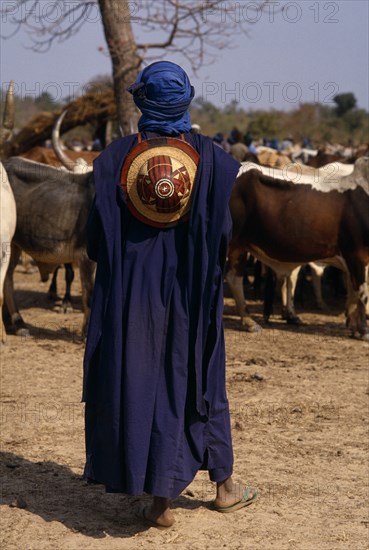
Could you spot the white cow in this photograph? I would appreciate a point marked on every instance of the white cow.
(8, 212)
(303, 155)
(8, 218)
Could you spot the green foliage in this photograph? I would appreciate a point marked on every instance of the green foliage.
(345, 102)
(265, 124)
(318, 122)
(354, 119)
(25, 109)
(45, 102)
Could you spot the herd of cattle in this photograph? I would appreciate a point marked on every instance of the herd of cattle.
(285, 217)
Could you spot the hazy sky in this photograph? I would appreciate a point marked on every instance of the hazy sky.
(310, 52)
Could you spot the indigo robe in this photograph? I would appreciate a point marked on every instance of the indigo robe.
(154, 365)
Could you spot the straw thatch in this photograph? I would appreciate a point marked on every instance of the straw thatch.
(94, 107)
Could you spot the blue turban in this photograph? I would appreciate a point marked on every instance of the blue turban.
(163, 93)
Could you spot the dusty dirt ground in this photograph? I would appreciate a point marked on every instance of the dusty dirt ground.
(300, 430)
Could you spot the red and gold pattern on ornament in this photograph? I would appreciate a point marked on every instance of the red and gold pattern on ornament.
(158, 178)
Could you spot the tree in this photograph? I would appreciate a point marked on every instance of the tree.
(344, 102)
(45, 102)
(232, 107)
(196, 29)
(355, 119)
(264, 124)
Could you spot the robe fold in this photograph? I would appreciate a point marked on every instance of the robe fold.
(154, 365)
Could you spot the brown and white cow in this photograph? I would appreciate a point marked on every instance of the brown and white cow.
(325, 178)
(286, 225)
(49, 157)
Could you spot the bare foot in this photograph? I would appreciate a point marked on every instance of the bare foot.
(230, 494)
(159, 513)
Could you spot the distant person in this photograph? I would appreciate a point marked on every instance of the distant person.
(96, 145)
(274, 144)
(252, 149)
(238, 149)
(248, 141)
(195, 129)
(219, 139)
(233, 136)
(306, 143)
(287, 143)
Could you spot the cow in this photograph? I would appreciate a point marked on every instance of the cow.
(79, 165)
(338, 154)
(286, 225)
(326, 176)
(52, 294)
(52, 212)
(76, 162)
(287, 279)
(303, 155)
(8, 214)
(7, 229)
(48, 156)
(288, 286)
(323, 158)
(270, 157)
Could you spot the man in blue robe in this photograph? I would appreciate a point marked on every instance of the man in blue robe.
(154, 366)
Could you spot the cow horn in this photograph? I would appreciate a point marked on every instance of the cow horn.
(8, 118)
(64, 159)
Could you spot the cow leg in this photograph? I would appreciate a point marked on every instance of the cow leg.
(87, 270)
(316, 278)
(257, 279)
(69, 277)
(367, 285)
(235, 283)
(12, 318)
(5, 260)
(27, 263)
(52, 293)
(287, 295)
(269, 293)
(357, 299)
(2, 326)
